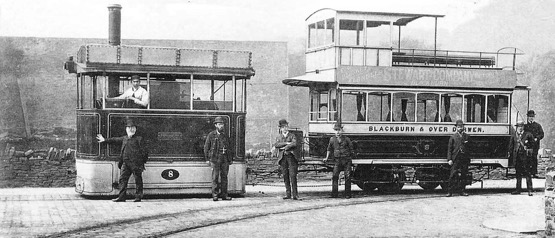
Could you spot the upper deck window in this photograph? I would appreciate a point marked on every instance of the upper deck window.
(350, 32)
(321, 33)
(378, 34)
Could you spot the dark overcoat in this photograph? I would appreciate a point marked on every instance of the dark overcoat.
(133, 151)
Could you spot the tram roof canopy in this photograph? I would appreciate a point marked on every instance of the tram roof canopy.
(399, 19)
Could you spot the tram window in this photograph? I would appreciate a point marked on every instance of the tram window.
(378, 106)
(213, 95)
(427, 107)
(403, 107)
(170, 94)
(312, 35)
(451, 107)
(330, 25)
(378, 34)
(350, 32)
(321, 33)
(320, 109)
(475, 107)
(90, 92)
(240, 96)
(354, 106)
(498, 109)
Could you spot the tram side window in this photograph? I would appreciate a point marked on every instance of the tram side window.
(170, 94)
(320, 110)
(403, 107)
(350, 32)
(354, 106)
(378, 106)
(428, 107)
(213, 95)
(451, 105)
(321, 33)
(498, 109)
(378, 34)
(90, 94)
(475, 107)
(120, 90)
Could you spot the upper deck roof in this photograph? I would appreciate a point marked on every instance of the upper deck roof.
(99, 58)
(398, 19)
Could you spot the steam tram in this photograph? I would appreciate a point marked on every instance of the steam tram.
(188, 89)
(398, 105)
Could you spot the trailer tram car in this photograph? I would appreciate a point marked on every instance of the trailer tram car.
(188, 88)
(399, 105)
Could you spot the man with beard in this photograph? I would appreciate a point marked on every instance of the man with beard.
(457, 158)
(217, 154)
(537, 132)
(132, 160)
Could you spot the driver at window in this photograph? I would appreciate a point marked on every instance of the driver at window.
(136, 93)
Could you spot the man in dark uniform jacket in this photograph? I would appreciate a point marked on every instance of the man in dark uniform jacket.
(342, 149)
(216, 152)
(537, 132)
(288, 159)
(457, 157)
(132, 161)
(521, 151)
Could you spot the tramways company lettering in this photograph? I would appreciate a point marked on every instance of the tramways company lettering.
(423, 129)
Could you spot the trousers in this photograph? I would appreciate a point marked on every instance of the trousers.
(524, 167)
(457, 177)
(289, 169)
(220, 170)
(341, 164)
(126, 171)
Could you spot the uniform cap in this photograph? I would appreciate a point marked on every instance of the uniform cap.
(283, 123)
(459, 123)
(135, 77)
(337, 126)
(531, 113)
(129, 123)
(218, 120)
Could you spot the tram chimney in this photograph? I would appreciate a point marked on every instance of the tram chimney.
(114, 24)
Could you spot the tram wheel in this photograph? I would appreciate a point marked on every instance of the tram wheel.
(428, 186)
(391, 187)
(367, 187)
(444, 186)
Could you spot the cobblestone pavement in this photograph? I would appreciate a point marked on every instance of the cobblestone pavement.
(59, 212)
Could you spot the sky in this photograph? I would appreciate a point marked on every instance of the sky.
(256, 20)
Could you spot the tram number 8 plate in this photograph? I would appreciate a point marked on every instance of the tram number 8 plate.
(170, 174)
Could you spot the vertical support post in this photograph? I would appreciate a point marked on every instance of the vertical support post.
(234, 94)
(148, 88)
(191, 89)
(435, 41)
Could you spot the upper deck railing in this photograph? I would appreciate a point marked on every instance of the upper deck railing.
(378, 56)
(163, 56)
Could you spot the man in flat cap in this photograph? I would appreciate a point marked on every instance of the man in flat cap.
(537, 132)
(132, 161)
(521, 151)
(342, 149)
(288, 159)
(136, 93)
(216, 152)
(457, 157)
